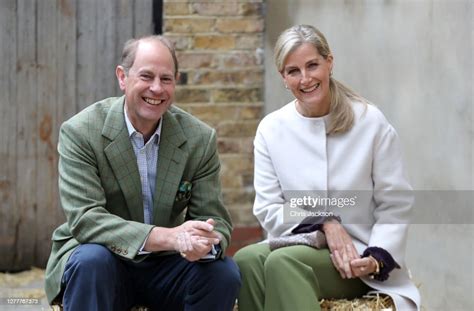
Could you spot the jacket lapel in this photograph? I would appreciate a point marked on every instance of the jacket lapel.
(122, 159)
(171, 164)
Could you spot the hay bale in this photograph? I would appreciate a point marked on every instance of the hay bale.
(25, 284)
(374, 302)
(20, 279)
(18, 285)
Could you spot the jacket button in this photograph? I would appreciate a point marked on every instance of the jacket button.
(119, 250)
(113, 248)
(125, 252)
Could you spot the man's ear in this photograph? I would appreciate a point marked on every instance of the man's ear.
(177, 75)
(121, 76)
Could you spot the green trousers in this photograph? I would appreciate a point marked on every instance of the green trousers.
(291, 278)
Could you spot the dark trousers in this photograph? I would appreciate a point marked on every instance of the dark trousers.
(96, 279)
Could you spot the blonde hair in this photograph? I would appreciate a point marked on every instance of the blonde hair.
(131, 46)
(342, 115)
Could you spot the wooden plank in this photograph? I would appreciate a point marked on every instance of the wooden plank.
(106, 37)
(67, 53)
(47, 77)
(9, 216)
(27, 134)
(64, 63)
(87, 56)
(143, 18)
(124, 30)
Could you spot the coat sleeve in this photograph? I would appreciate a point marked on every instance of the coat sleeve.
(269, 206)
(83, 197)
(206, 199)
(393, 196)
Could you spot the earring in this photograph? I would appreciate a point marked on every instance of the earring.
(286, 86)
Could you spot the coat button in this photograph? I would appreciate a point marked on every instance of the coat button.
(113, 248)
(119, 250)
(125, 252)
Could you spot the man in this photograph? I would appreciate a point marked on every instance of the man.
(139, 185)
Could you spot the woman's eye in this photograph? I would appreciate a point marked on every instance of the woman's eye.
(292, 71)
(313, 65)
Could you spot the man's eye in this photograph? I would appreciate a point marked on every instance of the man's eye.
(145, 77)
(167, 80)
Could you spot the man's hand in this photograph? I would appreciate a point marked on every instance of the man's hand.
(194, 247)
(193, 239)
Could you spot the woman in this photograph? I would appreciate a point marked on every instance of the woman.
(332, 140)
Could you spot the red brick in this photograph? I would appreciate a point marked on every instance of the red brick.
(188, 25)
(191, 60)
(237, 128)
(236, 25)
(249, 41)
(250, 112)
(179, 8)
(216, 9)
(243, 236)
(214, 42)
(232, 95)
(249, 9)
(241, 59)
(223, 78)
(186, 95)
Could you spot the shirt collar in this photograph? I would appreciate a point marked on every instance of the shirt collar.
(131, 130)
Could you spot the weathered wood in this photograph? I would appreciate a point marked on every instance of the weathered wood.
(106, 37)
(66, 97)
(47, 101)
(143, 18)
(9, 214)
(124, 30)
(57, 57)
(26, 134)
(66, 60)
(87, 56)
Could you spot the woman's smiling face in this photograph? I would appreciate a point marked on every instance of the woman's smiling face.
(307, 75)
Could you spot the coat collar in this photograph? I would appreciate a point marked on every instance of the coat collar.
(115, 123)
(171, 163)
(115, 120)
(172, 158)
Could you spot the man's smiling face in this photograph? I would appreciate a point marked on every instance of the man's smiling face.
(149, 85)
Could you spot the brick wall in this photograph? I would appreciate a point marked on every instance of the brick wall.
(220, 51)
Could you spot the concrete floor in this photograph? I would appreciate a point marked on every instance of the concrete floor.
(23, 291)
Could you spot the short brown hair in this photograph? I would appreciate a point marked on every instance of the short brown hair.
(130, 49)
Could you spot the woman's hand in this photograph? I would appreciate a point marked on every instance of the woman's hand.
(363, 266)
(343, 251)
